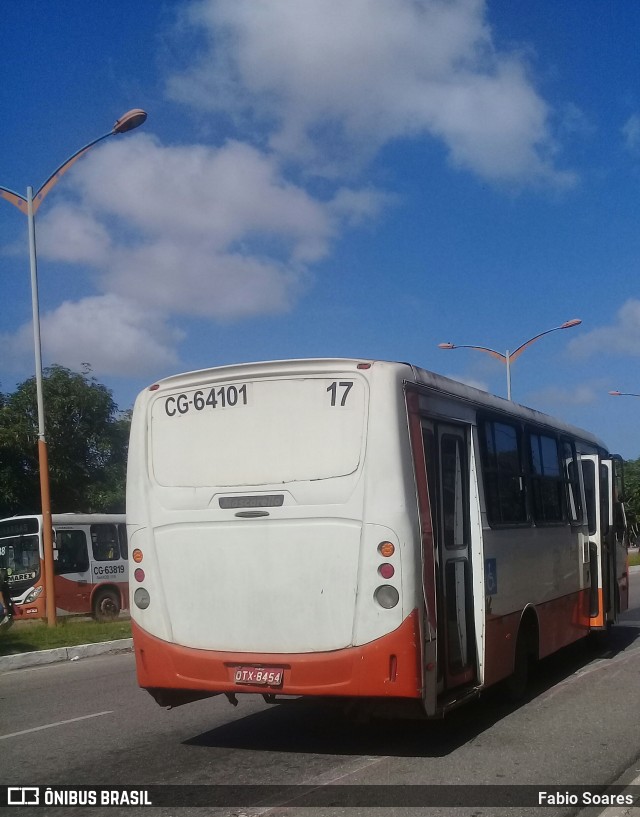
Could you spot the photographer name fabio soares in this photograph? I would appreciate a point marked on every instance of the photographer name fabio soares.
(556, 797)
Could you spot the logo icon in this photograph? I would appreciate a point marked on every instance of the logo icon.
(23, 796)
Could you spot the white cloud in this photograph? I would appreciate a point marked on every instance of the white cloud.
(622, 337)
(631, 132)
(192, 279)
(578, 395)
(225, 194)
(68, 234)
(325, 75)
(191, 230)
(215, 232)
(115, 336)
(179, 231)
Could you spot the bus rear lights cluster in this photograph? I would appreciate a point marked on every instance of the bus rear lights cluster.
(141, 598)
(385, 570)
(137, 556)
(386, 596)
(139, 574)
(386, 549)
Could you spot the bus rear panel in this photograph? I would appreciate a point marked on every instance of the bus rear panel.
(268, 558)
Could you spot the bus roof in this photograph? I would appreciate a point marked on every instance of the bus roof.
(406, 371)
(491, 402)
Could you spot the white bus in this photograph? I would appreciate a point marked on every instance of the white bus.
(360, 529)
(90, 564)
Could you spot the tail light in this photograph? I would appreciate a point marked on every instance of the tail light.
(386, 596)
(141, 598)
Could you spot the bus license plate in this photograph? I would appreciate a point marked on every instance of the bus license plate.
(259, 676)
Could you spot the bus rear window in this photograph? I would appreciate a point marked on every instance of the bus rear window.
(258, 433)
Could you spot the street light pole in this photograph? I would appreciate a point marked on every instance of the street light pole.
(29, 205)
(509, 357)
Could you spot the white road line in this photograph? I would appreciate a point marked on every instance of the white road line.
(57, 723)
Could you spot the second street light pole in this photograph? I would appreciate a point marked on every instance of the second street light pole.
(508, 357)
(29, 205)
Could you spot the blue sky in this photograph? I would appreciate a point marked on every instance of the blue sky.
(327, 178)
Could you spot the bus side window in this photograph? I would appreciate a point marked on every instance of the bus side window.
(605, 493)
(504, 482)
(589, 478)
(124, 544)
(104, 543)
(73, 556)
(547, 480)
(572, 480)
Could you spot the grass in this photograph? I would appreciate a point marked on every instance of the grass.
(69, 632)
(634, 559)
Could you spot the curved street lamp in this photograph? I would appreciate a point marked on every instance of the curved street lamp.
(508, 357)
(623, 394)
(29, 206)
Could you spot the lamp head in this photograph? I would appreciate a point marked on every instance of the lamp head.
(130, 120)
(446, 346)
(615, 393)
(572, 322)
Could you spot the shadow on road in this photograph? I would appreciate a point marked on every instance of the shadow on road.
(320, 727)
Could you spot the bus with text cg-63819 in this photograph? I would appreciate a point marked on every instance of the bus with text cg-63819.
(90, 564)
(358, 529)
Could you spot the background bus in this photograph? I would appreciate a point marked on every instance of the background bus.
(360, 529)
(90, 558)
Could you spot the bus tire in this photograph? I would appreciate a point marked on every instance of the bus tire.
(106, 605)
(516, 684)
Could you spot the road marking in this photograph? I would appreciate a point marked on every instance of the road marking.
(57, 723)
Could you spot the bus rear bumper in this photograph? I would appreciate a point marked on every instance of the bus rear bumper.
(386, 667)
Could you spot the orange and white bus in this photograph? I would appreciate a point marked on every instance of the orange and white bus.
(360, 529)
(90, 562)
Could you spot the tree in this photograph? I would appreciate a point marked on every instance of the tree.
(632, 495)
(87, 442)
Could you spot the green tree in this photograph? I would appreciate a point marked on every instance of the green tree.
(632, 495)
(87, 440)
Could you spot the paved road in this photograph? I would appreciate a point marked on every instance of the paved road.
(87, 722)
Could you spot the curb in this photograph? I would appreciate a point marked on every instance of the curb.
(42, 657)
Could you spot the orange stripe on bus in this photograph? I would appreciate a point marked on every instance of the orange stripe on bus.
(356, 671)
(599, 621)
(561, 622)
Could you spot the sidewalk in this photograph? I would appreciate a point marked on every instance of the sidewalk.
(42, 657)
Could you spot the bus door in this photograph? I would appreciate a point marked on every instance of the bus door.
(597, 475)
(72, 576)
(446, 455)
(611, 481)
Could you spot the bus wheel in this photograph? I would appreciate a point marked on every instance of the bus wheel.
(516, 683)
(106, 605)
